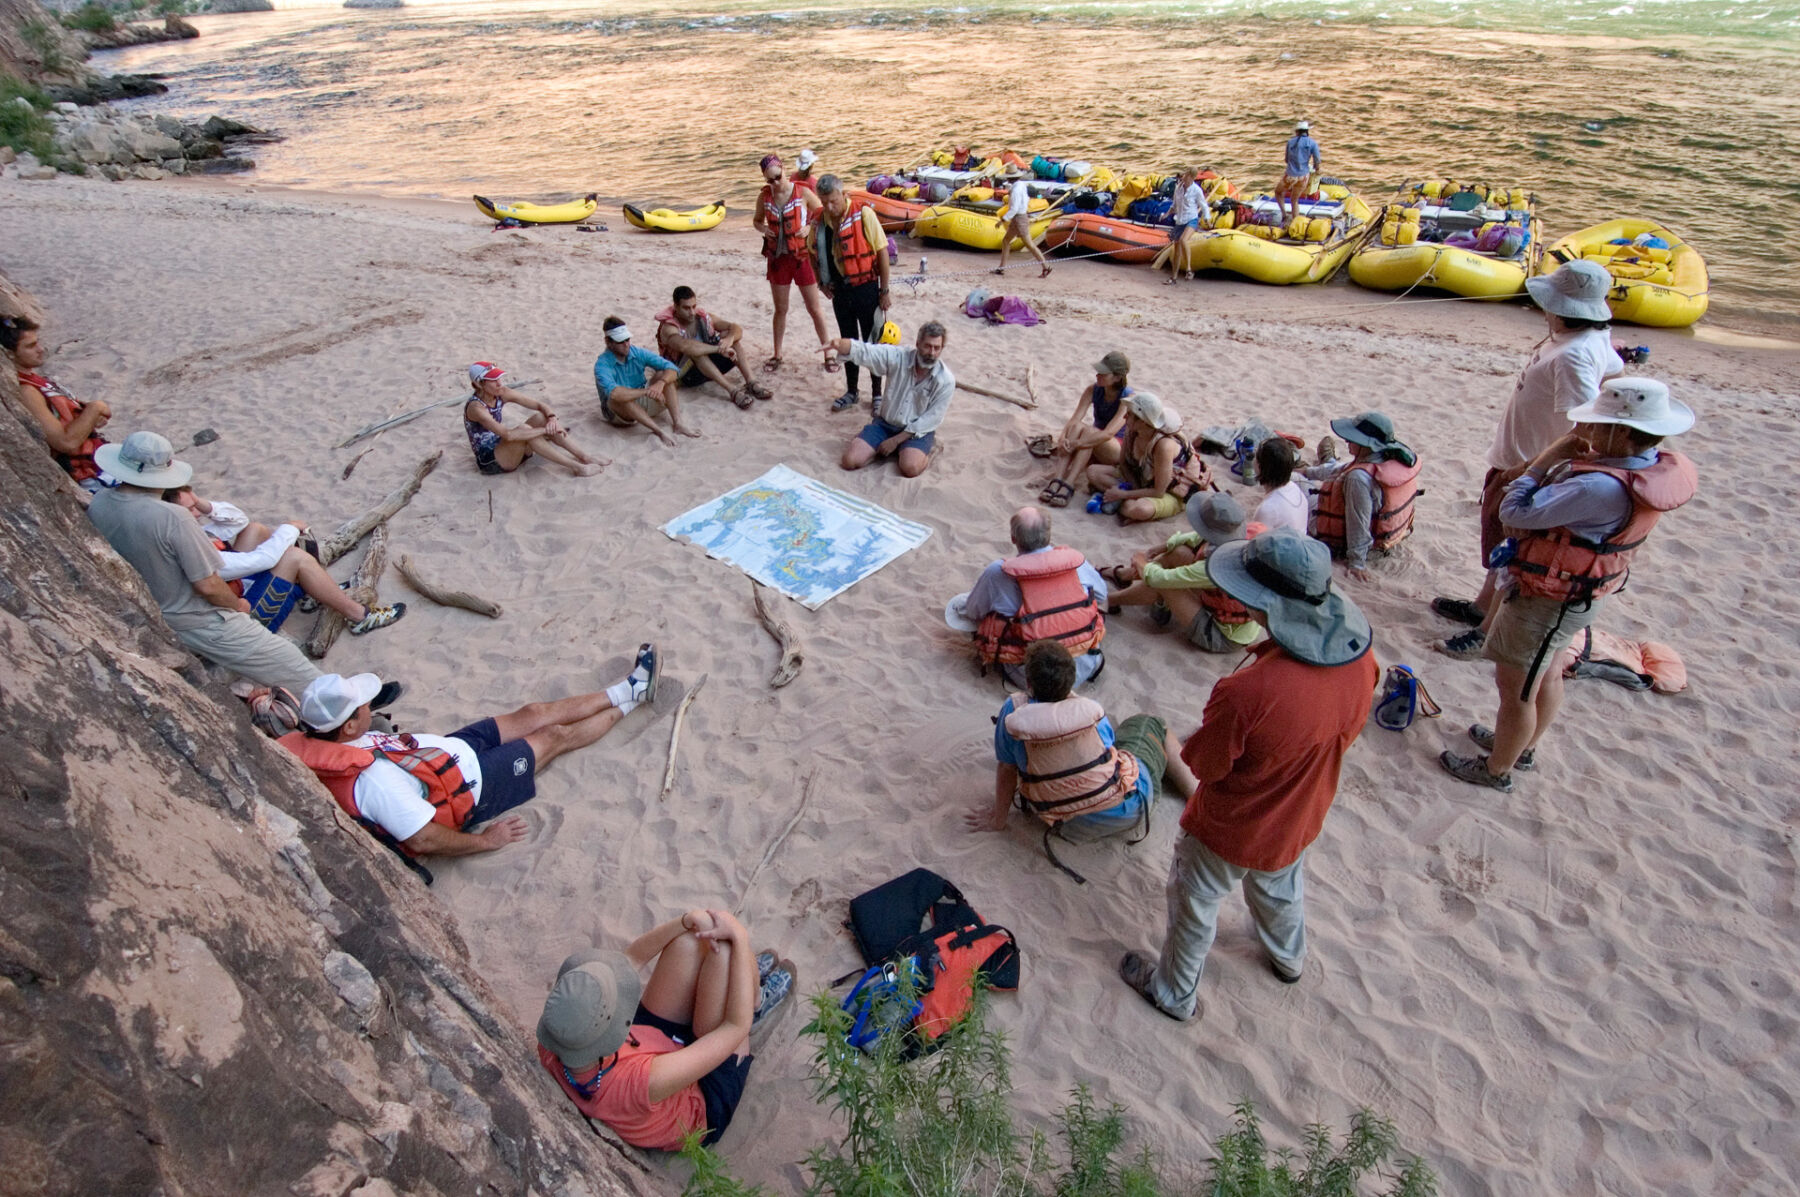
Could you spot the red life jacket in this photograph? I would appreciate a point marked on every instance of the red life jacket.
(237, 587)
(65, 407)
(1392, 523)
(1068, 770)
(1559, 565)
(339, 765)
(786, 224)
(1226, 611)
(855, 257)
(1053, 605)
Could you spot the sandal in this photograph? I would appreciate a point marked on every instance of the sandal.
(1113, 575)
(1041, 445)
(378, 618)
(843, 402)
(772, 365)
(1046, 273)
(1057, 494)
(758, 390)
(743, 398)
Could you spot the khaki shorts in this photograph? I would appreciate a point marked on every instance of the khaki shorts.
(1525, 623)
(1205, 634)
(1167, 505)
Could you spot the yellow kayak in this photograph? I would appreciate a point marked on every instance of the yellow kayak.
(977, 230)
(1660, 287)
(667, 220)
(1397, 257)
(572, 212)
(1310, 250)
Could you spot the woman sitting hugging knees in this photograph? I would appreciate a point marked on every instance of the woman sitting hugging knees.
(658, 1060)
(1079, 444)
(1157, 470)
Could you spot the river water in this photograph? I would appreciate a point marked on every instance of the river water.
(1681, 110)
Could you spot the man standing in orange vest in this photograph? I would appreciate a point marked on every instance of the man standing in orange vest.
(853, 272)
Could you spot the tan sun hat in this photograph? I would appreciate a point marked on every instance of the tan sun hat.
(1153, 411)
(589, 1010)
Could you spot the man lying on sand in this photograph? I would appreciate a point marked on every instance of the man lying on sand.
(706, 347)
(636, 385)
(918, 390)
(419, 793)
(501, 450)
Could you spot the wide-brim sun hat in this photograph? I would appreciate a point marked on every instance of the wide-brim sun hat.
(1153, 411)
(1641, 403)
(1370, 429)
(1215, 517)
(1575, 291)
(1287, 577)
(589, 1011)
(144, 459)
(955, 618)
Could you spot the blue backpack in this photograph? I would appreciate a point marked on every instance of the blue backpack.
(1403, 696)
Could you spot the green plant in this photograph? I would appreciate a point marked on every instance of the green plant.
(24, 127)
(91, 17)
(1328, 1169)
(46, 42)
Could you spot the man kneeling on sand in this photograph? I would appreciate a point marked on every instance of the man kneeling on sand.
(417, 794)
(917, 396)
(705, 348)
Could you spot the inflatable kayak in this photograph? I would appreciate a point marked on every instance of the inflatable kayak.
(572, 212)
(1658, 279)
(1309, 249)
(1468, 239)
(1119, 239)
(667, 220)
(896, 214)
(971, 227)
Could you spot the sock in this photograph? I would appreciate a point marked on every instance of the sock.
(620, 695)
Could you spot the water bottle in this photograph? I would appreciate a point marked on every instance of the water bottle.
(1093, 505)
(922, 261)
(893, 252)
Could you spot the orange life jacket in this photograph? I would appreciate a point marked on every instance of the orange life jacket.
(855, 257)
(1226, 611)
(65, 407)
(1053, 605)
(1559, 565)
(786, 224)
(237, 587)
(339, 765)
(1069, 770)
(1393, 521)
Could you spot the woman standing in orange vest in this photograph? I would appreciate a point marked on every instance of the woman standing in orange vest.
(784, 213)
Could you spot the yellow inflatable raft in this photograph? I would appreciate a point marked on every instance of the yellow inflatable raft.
(1398, 257)
(1663, 288)
(975, 229)
(1309, 250)
(667, 220)
(572, 212)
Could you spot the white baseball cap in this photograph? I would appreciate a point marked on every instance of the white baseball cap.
(806, 159)
(331, 698)
(1303, 127)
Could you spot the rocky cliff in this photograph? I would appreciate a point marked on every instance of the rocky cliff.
(36, 48)
(210, 982)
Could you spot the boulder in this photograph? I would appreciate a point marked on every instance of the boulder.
(7, 154)
(30, 168)
(221, 127)
(221, 166)
(149, 145)
(175, 166)
(100, 89)
(173, 29)
(148, 170)
(96, 142)
(239, 6)
(202, 147)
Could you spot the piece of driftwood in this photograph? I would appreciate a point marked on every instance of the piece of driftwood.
(791, 655)
(675, 736)
(806, 794)
(351, 531)
(442, 597)
(1012, 399)
(1031, 383)
(369, 430)
(362, 589)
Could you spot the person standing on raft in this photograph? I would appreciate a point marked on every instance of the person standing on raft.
(1299, 172)
(784, 214)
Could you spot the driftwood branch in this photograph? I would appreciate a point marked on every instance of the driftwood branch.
(1031, 383)
(351, 531)
(1012, 399)
(675, 736)
(442, 597)
(362, 589)
(369, 430)
(806, 794)
(791, 655)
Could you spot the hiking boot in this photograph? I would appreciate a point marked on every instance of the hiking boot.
(1138, 970)
(1474, 770)
(772, 1000)
(1464, 647)
(1483, 736)
(1160, 615)
(844, 402)
(378, 618)
(765, 964)
(1461, 610)
(1283, 975)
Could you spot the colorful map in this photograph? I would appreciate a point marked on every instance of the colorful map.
(800, 536)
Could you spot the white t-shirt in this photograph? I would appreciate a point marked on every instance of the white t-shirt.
(388, 795)
(224, 522)
(1564, 373)
(1188, 204)
(1284, 507)
(1018, 200)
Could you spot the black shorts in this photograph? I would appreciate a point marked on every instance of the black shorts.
(721, 1089)
(691, 376)
(508, 770)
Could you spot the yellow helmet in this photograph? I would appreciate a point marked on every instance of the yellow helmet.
(890, 333)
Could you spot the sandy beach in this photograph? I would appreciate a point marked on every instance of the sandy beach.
(1585, 987)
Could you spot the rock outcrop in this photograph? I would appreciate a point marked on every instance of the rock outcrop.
(120, 145)
(209, 981)
(239, 6)
(35, 47)
(173, 29)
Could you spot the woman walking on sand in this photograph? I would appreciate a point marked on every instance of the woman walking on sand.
(784, 214)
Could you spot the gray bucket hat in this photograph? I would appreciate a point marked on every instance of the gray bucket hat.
(1216, 517)
(1287, 577)
(1370, 429)
(589, 1010)
(1575, 290)
(145, 459)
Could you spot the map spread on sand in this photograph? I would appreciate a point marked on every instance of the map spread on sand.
(800, 536)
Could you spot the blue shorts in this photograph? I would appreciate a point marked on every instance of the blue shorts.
(720, 1090)
(1176, 232)
(508, 770)
(876, 431)
(271, 599)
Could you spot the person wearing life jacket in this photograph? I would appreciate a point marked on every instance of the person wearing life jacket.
(705, 348)
(1578, 515)
(1175, 582)
(850, 251)
(420, 794)
(663, 1059)
(1365, 502)
(1042, 592)
(71, 428)
(784, 216)
(1058, 756)
(1157, 469)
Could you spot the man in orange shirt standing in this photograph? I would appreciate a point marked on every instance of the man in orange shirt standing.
(1266, 758)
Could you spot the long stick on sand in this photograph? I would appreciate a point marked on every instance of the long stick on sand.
(362, 589)
(1031, 382)
(806, 793)
(675, 736)
(785, 636)
(442, 597)
(369, 430)
(351, 531)
(1012, 399)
